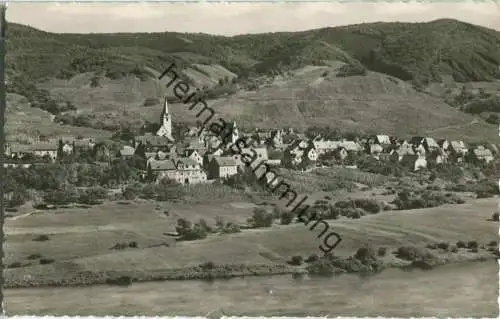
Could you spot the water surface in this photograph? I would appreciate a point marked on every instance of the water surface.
(466, 290)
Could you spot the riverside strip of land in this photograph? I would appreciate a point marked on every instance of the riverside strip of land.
(77, 246)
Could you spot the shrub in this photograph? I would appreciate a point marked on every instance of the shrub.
(472, 244)
(150, 101)
(61, 196)
(46, 261)
(15, 264)
(453, 249)
(203, 224)
(320, 267)
(493, 243)
(92, 196)
(443, 245)
(188, 231)
(130, 192)
(356, 213)
(312, 258)
(382, 251)
(208, 265)
(133, 244)
(495, 216)
(296, 261)
(286, 217)
(231, 228)
(261, 218)
(34, 256)
(474, 250)
(41, 238)
(411, 253)
(461, 244)
(371, 206)
(366, 255)
(120, 281)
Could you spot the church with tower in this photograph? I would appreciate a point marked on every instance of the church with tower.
(166, 124)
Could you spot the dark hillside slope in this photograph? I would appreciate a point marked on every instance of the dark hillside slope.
(420, 51)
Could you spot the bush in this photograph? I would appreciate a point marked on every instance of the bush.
(46, 261)
(371, 206)
(461, 244)
(382, 251)
(61, 196)
(92, 196)
(261, 218)
(41, 238)
(493, 243)
(366, 255)
(150, 101)
(321, 267)
(286, 217)
(133, 244)
(472, 244)
(296, 261)
(474, 250)
(411, 253)
(209, 265)
(312, 258)
(453, 249)
(120, 281)
(443, 245)
(495, 217)
(15, 264)
(188, 231)
(231, 228)
(356, 213)
(34, 256)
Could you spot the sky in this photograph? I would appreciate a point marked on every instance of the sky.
(241, 18)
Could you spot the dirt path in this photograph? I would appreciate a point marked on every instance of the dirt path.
(474, 121)
(57, 230)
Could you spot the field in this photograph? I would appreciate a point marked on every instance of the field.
(25, 121)
(80, 239)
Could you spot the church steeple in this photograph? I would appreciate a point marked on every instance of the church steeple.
(235, 134)
(166, 124)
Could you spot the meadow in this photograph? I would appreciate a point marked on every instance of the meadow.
(81, 240)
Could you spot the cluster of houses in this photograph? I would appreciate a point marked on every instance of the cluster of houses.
(202, 157)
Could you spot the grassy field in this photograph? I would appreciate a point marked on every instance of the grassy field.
(81, 239)
(23, 121)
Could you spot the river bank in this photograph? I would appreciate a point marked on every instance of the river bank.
(63, 275)
(468, 289)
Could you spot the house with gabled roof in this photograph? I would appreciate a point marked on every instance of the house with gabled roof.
(428, 143)
(480, 154)
(152, 143)
(457, 150)
(193, 154)
(160, 169)
(127, 151)
(183, 170)
(222, 167)
(300, 152)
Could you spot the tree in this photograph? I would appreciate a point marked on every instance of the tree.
(188, 231)
(94, 82)
(92, 196)
(261, 218)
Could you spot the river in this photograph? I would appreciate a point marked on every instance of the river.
(465, 290)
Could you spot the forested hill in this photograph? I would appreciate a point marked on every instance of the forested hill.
(410, 51)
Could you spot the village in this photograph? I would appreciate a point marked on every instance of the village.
(199, 157)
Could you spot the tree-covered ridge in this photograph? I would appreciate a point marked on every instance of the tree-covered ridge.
(410, 51)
